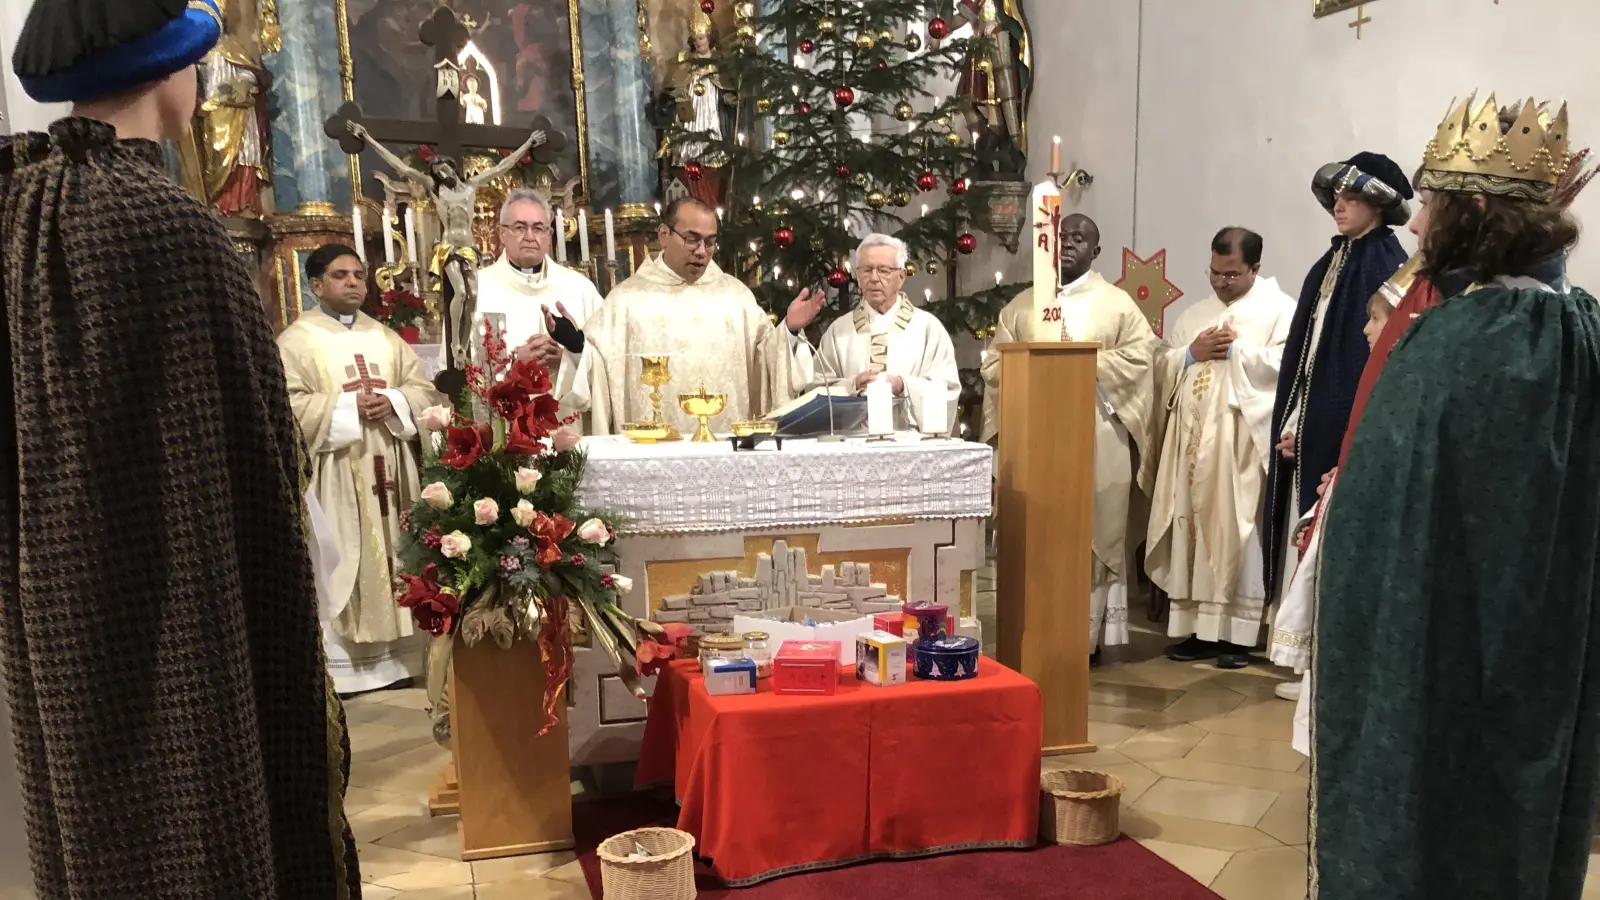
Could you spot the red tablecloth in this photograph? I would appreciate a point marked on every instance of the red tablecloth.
(773, 784)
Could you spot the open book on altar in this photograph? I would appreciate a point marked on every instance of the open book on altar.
(809, 416)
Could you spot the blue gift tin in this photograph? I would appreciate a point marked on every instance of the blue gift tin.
(949, 657)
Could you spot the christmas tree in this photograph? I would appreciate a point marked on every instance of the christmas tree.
(839, 129)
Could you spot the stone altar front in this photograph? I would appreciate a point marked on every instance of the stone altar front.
(840, 525)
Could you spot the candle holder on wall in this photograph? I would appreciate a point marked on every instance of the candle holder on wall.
(1064, 180)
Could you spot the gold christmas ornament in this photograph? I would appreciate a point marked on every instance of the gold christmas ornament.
(913, 42)
(901, 198)
(886, 35)
(903, 111)
(764, 105)
(826, 26)
(865, 42)
(699, 88)
(876, 200)
(953, 138)
(780, 137)
(746, 32)
(861, 179)
(911, 268)
(933, 267)
(942, 121)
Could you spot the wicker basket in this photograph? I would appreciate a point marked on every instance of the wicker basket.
(667, 874)
(1079, 807)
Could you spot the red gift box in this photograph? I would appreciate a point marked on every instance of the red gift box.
(806, 667)
(894, 623)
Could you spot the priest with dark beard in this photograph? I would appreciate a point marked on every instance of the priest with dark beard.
(176, 733)
(1327, 350)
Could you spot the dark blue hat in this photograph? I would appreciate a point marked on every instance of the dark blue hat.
(1374, 177)
(77, 50)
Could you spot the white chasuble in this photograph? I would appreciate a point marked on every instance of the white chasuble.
(522, 298)
(364, 474)
(1093, 309)
(903, 341)
(1204, 548)
(714, 334)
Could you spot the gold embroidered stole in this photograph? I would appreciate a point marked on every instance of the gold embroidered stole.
(899, 320)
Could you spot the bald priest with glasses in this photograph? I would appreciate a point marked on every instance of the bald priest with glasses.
(680, 304)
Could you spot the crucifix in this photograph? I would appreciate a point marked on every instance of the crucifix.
(455, 259)
(1361, 19)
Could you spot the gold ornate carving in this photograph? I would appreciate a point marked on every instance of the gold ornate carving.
(268, 33)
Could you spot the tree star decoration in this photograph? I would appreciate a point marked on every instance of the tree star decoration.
(1145, 280)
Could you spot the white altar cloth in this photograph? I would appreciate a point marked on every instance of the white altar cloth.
(683, 487)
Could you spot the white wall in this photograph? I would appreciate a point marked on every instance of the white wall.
(22, 114)
(1197, 115)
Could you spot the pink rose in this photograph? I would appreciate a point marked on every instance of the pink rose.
(594, 531)
(565, 439)
(528, 479)
(523, 513)
(436, 418)
(437, 496)
(486, 511)
(455, 545)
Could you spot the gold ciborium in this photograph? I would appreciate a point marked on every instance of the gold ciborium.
(703, 406)
(654, 372)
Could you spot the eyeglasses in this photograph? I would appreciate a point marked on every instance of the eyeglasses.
(695, 241)
(523, 229)
(884, 272)
(1224, 277)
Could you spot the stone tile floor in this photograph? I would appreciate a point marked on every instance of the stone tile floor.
(1212, 785)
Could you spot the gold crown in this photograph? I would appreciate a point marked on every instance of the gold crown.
(1471, 153)
(700, 24)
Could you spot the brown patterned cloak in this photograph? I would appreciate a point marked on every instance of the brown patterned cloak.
(175, 735)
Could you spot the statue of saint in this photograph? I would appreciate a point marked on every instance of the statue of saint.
(701, 102)
(232, 127)
(455, 257)
(998, 82)
(473, 104)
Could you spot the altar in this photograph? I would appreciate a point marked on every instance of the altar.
(708, 531)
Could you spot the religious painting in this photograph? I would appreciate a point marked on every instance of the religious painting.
(519, 64)
(1329, 7)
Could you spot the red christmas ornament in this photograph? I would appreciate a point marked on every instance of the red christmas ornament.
(883, 64)
(783, 237)
(805, 108)
(927, 182)
(708, 6)
(693, 170)
(838, 278)
(966, 243)
(808, 46)
(842, 170)
(959, 186)
(844, 96)
(938, 29)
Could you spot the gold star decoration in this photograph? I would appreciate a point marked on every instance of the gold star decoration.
(1145, 280)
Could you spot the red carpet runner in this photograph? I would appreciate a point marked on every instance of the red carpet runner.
(1120, 871)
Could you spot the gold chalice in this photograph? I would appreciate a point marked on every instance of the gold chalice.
(654, 372)
(703, 406)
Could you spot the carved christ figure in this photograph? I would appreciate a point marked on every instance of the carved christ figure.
(455, 259)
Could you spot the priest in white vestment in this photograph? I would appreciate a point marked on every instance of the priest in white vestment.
(527, 289)
(681, 305)
(356, 388)
(1216, 376)
(1089, 308)
(886, 335)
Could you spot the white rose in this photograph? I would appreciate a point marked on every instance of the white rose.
(455, 545)
(437, 496)
(528, 479)
(522, 513)
(486, 511)
(436, 418)
(622, 583)
(594, 531)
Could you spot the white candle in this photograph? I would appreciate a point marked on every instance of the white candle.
(388, 235)
(411, 233)
(611, 238)
(583, 235)
(935, 412)
(1055, 154)
(355, 232)
(561, 237)
(880, 407)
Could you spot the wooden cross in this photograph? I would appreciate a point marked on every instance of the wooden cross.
(361, 378)
(1363, 19)
(448, 133)
(382, 486)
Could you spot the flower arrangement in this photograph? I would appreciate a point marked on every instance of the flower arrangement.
(397, 308)
(498, 543)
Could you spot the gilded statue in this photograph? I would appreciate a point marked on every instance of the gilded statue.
(231, 129)
(704, 105)
(998, 79)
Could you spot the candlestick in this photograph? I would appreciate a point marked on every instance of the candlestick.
(411, 233)
(561, 237)
(611, 239)
(583, 235)
(388, 235)
(1055, 153)
(355, 232)
(880, 407)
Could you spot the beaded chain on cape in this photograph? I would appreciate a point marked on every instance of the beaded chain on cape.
(176, 733)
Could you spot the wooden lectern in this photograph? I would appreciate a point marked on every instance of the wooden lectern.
(1045, 507)
(513, 787)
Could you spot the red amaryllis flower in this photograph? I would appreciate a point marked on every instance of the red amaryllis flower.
(527, 433)
(437, 616)
(525, 381)
(420, 588)
(550, 531)
(652, 655)
(426, 152)
(463, 446)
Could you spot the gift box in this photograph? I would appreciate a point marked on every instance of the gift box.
(729, 676)
(894, 623)
(952, 657)
(881, 659)
(806, 667)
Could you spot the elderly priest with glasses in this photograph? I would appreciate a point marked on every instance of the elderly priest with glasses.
(681, 305)
(888, 336)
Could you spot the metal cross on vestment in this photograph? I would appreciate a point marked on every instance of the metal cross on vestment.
(448, 133)
(361, 378)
